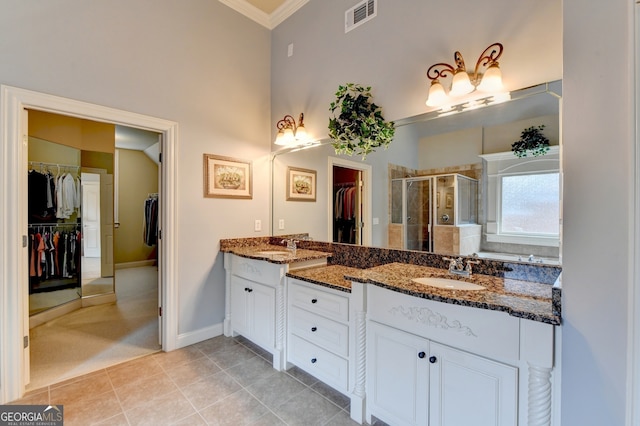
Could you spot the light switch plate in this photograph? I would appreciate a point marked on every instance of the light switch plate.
(258, 225)
(281, 224)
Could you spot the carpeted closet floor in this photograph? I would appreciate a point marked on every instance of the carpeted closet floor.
(97, 337)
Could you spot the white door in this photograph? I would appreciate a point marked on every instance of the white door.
(91, 214)
(468, 389)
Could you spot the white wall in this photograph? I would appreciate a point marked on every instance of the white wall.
(195, 62)
(597, 131)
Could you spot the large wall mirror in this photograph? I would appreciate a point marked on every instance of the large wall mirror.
(446, 184)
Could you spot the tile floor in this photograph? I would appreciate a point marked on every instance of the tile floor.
(221, 381)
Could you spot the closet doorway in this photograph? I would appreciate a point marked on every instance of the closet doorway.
(93, 221)
(14, 277)
(349, 202)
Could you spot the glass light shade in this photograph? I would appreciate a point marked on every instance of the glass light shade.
(436, 96)
(285, 137)
(301, 134)
(461, 84)
(491, 80)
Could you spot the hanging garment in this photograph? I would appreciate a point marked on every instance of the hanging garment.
(150, 221)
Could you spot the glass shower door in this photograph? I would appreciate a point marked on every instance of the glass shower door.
(418, 198)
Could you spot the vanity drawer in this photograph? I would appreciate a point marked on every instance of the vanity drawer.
(483, 332)
(256, 270)
(319, 300)
(328, 367)
(330, 335)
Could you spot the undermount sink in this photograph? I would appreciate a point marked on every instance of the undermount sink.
(447, 283)
(272, 252)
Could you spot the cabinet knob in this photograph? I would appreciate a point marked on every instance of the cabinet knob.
(314, 300)
(421, 355)
(433, 359)
(314, 360)
(314, 328)
(246, 289)
(249, 290)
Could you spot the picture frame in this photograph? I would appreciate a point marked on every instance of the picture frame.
(227, 177)
(301, 184)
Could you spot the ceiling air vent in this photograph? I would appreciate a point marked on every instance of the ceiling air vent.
(359, 14)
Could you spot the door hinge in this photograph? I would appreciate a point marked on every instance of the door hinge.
(159, 311)
(25, 241)
(25, 342)
(160, 157)
(159, 234)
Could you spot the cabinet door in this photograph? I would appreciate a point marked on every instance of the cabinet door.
(467, 389)
(262, 311)
(239, 302)
(397, 375)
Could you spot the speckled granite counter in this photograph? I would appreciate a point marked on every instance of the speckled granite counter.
(518, 298)
(520, 289)
(279, 254)
(332, 276)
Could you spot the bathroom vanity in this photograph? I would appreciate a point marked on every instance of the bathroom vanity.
(402, 351)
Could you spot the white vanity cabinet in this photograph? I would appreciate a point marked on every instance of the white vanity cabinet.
(255, 303)
(326, 337)
(318, 332)
(432, 363)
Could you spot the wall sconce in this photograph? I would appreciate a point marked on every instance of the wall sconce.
(464, 82)
(289, 132)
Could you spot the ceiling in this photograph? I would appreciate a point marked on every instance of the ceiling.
(268, 13)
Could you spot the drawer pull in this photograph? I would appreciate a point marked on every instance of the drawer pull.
(314, 328)
(433, 359)
(421, 355)
(314, 300)
(314, 360)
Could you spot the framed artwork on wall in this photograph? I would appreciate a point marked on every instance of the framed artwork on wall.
(301, 184)
(226, 177)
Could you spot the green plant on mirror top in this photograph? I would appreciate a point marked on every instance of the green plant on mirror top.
(357, 126)
(532, 141)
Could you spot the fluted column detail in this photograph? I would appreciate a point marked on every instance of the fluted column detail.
(361, 347)
(539, 396)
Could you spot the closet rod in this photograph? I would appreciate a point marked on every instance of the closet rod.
(41, 163)
(54, 224)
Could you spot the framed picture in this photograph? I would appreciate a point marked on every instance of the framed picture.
(301, 184)
(226, 177)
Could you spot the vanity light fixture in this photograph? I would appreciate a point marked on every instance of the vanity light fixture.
(464, 82)
(290, 132)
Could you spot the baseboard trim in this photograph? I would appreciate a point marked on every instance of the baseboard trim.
(136, 264)
(192, 337)
(53, 313)
(98, 299)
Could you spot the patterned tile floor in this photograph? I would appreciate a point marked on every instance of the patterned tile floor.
(221, 381)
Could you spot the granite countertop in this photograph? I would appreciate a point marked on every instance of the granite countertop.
(282, 255)
(332, 276)
(522, 299)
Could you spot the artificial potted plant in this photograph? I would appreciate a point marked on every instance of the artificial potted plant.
(532, 141)
(357, 126)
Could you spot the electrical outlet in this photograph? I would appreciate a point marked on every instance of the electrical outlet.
(281, 224)
(258, 225)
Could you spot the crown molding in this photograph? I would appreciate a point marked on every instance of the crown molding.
(288, 8)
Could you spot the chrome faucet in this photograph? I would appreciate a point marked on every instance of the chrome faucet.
(291, 244)
(457, 266)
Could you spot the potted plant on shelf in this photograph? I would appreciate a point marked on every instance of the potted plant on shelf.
(357, 126)
(533, 141)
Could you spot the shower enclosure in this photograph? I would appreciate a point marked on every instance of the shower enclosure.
(435, 213)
